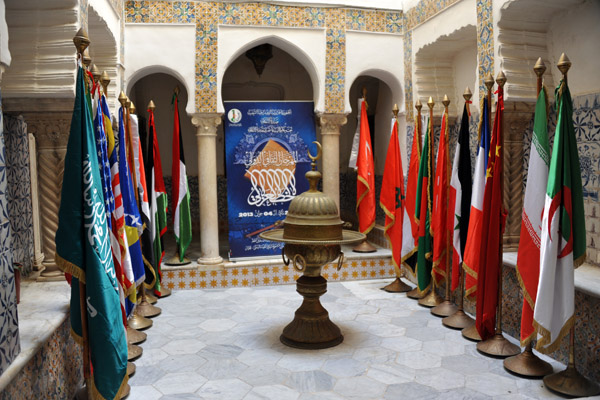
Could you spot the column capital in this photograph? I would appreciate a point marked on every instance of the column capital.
(206, 123)
(331, 123)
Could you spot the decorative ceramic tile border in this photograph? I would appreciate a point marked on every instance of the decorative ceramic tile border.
(278, 274)
(485, 42)
(83, 14)
(207, 16)
(425, 10)
(408, 86)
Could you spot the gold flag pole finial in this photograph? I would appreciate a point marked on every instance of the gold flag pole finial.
(151, 106)
(81, 41)
(122, 99)
(132, 109)
(539, 67)
(418, 106)
(87, 60)
(446, 102)
(127, 103)
(467, 95)
(564, 64)
(430, 103)
(95, 73)
(395, 111)
(501, 79)
(364, 97)
(105, 80)
(489, 82)
(176, 90)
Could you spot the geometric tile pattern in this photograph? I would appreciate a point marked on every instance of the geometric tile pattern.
(207, 16)
(9, 327)
(224, 344)
(19, 191)
(408, 86)
(485, 42)
(424, 10)
(54, 372)
(272, 274)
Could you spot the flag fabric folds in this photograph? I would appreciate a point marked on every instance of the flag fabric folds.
(83, 250)
(391, 199)
(490, 254)
(460, 196)
(180, 194)
(563, 241)
(440, 217)
(356, 138)
(473, 244)
(528, 257)
(423, 212)
(365, 185)
(410, 226)
(158, 201)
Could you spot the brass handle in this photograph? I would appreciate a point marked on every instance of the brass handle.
(301, 262)
(285, 262)
(340, 261)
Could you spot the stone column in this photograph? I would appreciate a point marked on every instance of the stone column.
(206, 134)
(330, 134)
(517, 119)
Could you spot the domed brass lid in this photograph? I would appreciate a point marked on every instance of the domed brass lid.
(312, 217)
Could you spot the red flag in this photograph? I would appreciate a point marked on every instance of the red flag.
(490, 257)
(391, 199)
(365, 185)
(440, 214)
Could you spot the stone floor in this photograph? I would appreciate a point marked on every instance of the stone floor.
(224, 344)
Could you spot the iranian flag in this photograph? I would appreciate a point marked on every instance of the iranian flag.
(563, 233)
(473, 244)
(180, 194)
(392, 197)
(410, 226)
(528, 258)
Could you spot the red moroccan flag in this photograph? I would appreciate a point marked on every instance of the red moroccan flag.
(490, 259)
(440, 214)
(391, 199)
(365, 184)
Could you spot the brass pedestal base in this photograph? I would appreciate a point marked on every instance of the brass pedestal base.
(164, 292)
(138, 322)
(470, 332)
(364, 247)
(414, 294)
(571, 383)
(498, 346)
(147, 310)
(130, 369)
(527, 364)
(458, 320)
(397, 286)
(175, 261)
(311, 327)
(150, 298)
(126, 391)
(432, 299)
(445, 309)
(134, 352)
(83, 395)
(135, 336)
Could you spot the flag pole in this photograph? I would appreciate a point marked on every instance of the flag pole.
(415, 294)
(498, 345)
(447, 307)
(470, 332)
(528, 364)
(432, 299)
(460, 320)
(82, 41)
(569, 381)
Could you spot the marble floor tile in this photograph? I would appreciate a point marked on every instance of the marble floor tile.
(224, 344)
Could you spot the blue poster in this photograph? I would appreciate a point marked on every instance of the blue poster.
(266, 147)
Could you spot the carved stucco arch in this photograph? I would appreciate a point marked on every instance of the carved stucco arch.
(160, 69)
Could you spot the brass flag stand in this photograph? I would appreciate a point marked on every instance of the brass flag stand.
(569, 381)
(528, 364)
(431, 299)
(447, 307)
(498, 345)
(460, 320)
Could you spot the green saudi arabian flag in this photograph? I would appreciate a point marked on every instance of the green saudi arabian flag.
(423, 214)
(83, 250)
(563, 233)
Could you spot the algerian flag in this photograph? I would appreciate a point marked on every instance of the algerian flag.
(563, 233)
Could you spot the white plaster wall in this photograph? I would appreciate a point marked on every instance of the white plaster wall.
(307, 46)
(110, 17)
(465, 74)
(150, 49)
(497, 6)
(4, 51)
(576, 32)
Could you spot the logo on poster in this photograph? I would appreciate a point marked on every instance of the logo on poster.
(234, 115)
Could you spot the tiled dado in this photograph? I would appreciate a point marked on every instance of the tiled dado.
(264, 274)
(208, 15)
